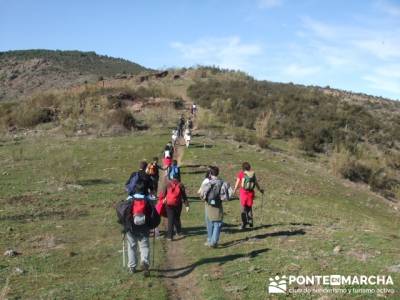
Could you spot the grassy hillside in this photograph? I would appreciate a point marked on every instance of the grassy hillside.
(62, 221)
(26, 71)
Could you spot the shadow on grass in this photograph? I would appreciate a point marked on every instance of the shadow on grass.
(196, 145)
(263, 236)
(220, 260)
(97, 181)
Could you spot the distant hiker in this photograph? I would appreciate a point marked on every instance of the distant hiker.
(247, 181)
(153, 171)
(168, 153)
(189, 124)
(181, 125)
(187, 137)
(194, 109)
(139, 176)
(213, 193)
(174, 171)
(174, 137)
(174, 196)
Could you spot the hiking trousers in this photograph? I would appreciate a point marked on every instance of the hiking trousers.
(213, 231)
(174, 220)
(138, 240)
(246, 213)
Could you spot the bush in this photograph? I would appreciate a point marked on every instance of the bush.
(356, 171)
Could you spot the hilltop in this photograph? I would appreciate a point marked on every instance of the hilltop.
(24, 72)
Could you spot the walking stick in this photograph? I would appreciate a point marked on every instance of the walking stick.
(123, 251)
(262, 209)
(154, 247)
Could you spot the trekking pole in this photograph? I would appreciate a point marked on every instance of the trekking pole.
(123, 251)
(154, 247)
(262, 209)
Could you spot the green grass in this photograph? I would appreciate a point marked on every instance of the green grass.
(70, 241)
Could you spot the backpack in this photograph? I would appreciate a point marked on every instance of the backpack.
(144, 212)
(249, 181)
(152, 169)
(137, 181)
(173, 172)
(174, 193)
(213, 196)
(124, 215)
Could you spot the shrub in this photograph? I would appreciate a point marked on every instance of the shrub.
(356, 171)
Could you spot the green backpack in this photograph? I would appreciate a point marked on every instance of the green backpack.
(249, 182)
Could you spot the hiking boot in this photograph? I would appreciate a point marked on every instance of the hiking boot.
(132, 270)
(214, 246)
(242, 227)
(145, 268)
(251, 225)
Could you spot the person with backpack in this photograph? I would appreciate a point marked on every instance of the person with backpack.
(247, 181)
(214, 192)
(138, 215)
(139, 176)
(174, 196)
(181, 125)
(174, 171)
(168, 154)
(153, 171)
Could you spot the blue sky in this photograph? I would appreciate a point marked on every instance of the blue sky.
(352, 45)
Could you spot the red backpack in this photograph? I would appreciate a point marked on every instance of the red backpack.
(139, 211)
(174, 193)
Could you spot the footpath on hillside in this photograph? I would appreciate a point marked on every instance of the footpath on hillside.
(180, 281)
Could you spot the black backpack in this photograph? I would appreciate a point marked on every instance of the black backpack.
(214, 193)
(125, 218)
(124, 215)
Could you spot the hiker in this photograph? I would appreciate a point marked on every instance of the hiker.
(174, 171)
(193, 109)
(174, 137)
(187, 137)
(173, 196)
(247, 181)
(167, 155)
(153, 171)
(139, 234)
(189, 124)
(213, 193)
(181, 124)
(139, 176)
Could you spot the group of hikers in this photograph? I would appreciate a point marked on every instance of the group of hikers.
(184, 129)
(146, 204)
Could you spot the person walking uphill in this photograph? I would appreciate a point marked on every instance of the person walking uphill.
(153, 171)
(139, 176)
(213, 193)
(247, 181)
(174, 196)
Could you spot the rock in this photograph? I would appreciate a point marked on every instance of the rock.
(252, 269)
(394, 269)
(235, 288)
(11, 253)
(337, 249)
(72, 254)
(75, 186)
(19, 271)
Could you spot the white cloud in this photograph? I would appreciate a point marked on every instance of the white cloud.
(227, 52)
(320, 29)
(299, 71)
(389, 8)
(269, 3)
(384, 48)
(386, 79)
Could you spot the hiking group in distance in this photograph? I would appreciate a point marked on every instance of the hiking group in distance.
(140, 214)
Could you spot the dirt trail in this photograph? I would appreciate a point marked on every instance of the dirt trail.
(180, 281)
